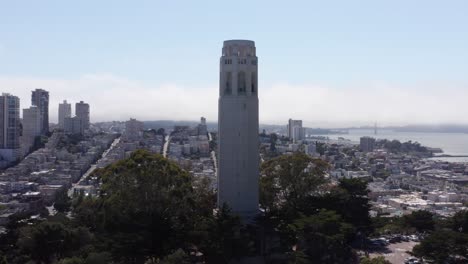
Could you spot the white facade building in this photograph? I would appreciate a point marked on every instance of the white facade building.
(295, 130)
(31, 126)
(64, 112)
(82, 112)
(238, 172)
(73, 125)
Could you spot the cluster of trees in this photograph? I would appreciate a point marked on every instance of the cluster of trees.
(151, 211)
(316, 222)
(396, 146)
(445, 239)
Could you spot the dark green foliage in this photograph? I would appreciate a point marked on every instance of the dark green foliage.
(62, 202)
(287, 181)
(444, 246)
(51, 239)
(73, 260)
(146, 206)
(323, 238)
(377, 260)
(420, 220)
(178, 257)
(99, 258)
(396, 146)
(349, 199)
(149, 207)
(321, 220)
(459, 222)
(321, 148)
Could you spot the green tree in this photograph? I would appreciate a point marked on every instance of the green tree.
(443, 246)
(421, 220)
(286, 181)
(49, 240)
(178, 257)
(99, 258)
(459, 222)
(62, 202)
(348, 199)
(323, 238)
(72, 260)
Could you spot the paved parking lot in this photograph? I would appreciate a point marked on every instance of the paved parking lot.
(396, 253)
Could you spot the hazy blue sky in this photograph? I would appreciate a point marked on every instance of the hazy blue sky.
(327, 62)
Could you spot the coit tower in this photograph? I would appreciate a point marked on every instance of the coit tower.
(238, 167)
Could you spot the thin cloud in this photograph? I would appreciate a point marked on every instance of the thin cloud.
(116, 98)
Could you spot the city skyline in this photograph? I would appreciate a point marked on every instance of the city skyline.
(328, 66)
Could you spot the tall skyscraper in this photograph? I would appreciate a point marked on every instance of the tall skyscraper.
(295, 130)
(82, 112)
(9, 127)
(31, 127)
(63, 112)
(238, 171)
(202, 129)
(40, 98)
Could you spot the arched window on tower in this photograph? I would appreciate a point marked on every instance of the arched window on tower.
(241, 83)
(228, 89)
(253, 84)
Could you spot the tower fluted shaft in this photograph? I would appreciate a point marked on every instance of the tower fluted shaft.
(238, 170)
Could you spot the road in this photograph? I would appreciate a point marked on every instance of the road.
(213, 156)
(93, 167)
(167, 139)
(396, 253)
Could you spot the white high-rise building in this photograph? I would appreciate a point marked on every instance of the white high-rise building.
(82, 112)
(238, 171)
(202, 129)
(40, 98)
(31, 127)
(64, 112)
(295, 130)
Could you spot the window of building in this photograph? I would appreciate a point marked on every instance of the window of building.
(228, 89)
(241, 83)
(253, 83)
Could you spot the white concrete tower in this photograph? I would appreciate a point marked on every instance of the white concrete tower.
(64, 111)
(238, 171)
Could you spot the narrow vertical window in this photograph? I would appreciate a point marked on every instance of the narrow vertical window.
(253, 84)
(228, 89)
(241, 84)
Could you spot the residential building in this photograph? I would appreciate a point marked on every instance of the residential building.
(73, 125)
(64, 112)
(40, 98)
(9, 129)
(202, 130)
(367, 144)
(238, 172)
(295, 130)
(31, 127)
(82, 112)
